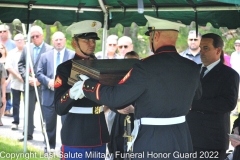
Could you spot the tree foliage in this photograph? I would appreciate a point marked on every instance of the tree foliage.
(137, 33)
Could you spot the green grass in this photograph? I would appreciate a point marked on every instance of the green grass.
(13, 150)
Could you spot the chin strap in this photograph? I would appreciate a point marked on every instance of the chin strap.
(153, 50)
(89, 55)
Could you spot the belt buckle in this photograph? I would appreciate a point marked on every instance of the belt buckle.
(97, 110)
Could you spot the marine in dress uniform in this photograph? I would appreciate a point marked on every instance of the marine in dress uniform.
(84, 129)
(162, 87)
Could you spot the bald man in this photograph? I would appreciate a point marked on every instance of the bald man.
(161, 90)
(45, 74)
(193, 51)
(111, 48)
(124, 45)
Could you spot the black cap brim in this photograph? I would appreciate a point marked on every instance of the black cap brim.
(90, 35)
(147, 33)
(150, 29)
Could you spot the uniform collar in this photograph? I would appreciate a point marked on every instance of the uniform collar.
(77, 57)
(166, 49)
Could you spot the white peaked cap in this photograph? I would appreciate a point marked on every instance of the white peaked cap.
(162, 24)
(85, 26)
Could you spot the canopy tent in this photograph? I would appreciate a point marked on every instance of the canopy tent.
(220, 13)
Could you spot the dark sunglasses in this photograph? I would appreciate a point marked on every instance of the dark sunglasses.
(125, 46)
(36, 36)
(114, 45)
(193, 39)
(3, 31)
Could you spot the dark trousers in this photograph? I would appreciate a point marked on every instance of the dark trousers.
(16, 95)
(50, 118)
(32, 99)
(209, 154)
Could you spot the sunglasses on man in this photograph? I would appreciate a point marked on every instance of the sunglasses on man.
(114, 45)
(193, 39)
(125, 46)
(35, 36)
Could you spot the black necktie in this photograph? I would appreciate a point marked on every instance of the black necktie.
(202, 72)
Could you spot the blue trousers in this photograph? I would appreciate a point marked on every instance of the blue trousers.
(8, 104)
(16, 105)
(94, 153)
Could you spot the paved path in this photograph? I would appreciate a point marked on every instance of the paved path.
(37, 135)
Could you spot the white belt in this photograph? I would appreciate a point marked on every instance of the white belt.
(86, 110)
(153, 121)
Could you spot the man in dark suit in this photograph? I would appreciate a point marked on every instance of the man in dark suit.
(161, 87)
(209, 117)
(45, 74)
(37, 47)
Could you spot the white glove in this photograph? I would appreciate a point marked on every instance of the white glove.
(76, 91)
(83, 77)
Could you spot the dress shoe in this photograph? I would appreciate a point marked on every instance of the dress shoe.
(22, 139)
(7, 113)
(14, 127)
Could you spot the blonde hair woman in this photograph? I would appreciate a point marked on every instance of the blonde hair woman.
(3, 76)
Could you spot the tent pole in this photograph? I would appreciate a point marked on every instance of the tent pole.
(104, 35)
(26, 92)
(105, 27)
(146, 9)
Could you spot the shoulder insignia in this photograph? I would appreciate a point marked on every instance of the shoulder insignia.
(58, 82)
(125, 77)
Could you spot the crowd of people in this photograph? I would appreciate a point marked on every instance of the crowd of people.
(179, 104)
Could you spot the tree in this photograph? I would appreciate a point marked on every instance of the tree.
(137, 33)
